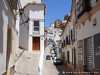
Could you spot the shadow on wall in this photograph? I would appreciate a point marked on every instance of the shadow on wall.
(3, 17)
(1, 25)
(24, 30)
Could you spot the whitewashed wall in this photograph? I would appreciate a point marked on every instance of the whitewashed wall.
(25, 2)
(34, 12)
(17, 34)
(23, 39)
(88, 29)
(6, 19)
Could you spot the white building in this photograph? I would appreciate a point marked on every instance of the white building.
(88, 35)
(32, 32)
(8, 36)
(54, 34)
(82, 51)
(66, 42)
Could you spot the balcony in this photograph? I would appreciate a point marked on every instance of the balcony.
(82, 7)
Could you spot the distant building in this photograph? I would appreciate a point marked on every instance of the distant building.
(57, 23)
(66, 44)
(53, 35)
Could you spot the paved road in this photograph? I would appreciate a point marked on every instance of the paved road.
(50, 68)
(28, 64)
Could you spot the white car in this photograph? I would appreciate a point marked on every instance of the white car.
(57, 60)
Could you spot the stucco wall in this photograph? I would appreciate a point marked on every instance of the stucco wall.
(25, 2)
(88, 29)
(6, 19)
(36, 12)
(23, 38)
(17, 33)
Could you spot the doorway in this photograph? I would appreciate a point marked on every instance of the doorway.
(36, 43)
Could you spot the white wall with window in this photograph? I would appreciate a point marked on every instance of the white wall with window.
(36, 27)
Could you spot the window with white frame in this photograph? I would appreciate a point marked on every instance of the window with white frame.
(36, 25)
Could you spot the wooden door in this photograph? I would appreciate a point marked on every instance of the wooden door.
(36, 43)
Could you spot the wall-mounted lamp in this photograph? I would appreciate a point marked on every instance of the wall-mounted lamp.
(21, 11)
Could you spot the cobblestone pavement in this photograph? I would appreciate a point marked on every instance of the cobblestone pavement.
(27, 64)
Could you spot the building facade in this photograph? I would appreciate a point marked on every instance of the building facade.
(88, 32)
(32, 33)
(8, 35)
(66, 43)
(81, 49)
(32, 27)
(53, 35)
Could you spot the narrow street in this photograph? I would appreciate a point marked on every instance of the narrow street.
(50, 68)
(27, 64)
(49, 37)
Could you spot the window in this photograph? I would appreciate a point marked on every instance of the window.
(68, 57)
(69, 40)
(79, 7)
(36, 25)
(66, 40)
(62, 44)
(71, 34)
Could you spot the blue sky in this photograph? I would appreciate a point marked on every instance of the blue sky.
(56, 9)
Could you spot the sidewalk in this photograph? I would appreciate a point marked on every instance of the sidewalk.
(27, 64)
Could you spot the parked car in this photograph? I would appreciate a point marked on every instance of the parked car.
(48, 57)
(53, 55)
(57, 61)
